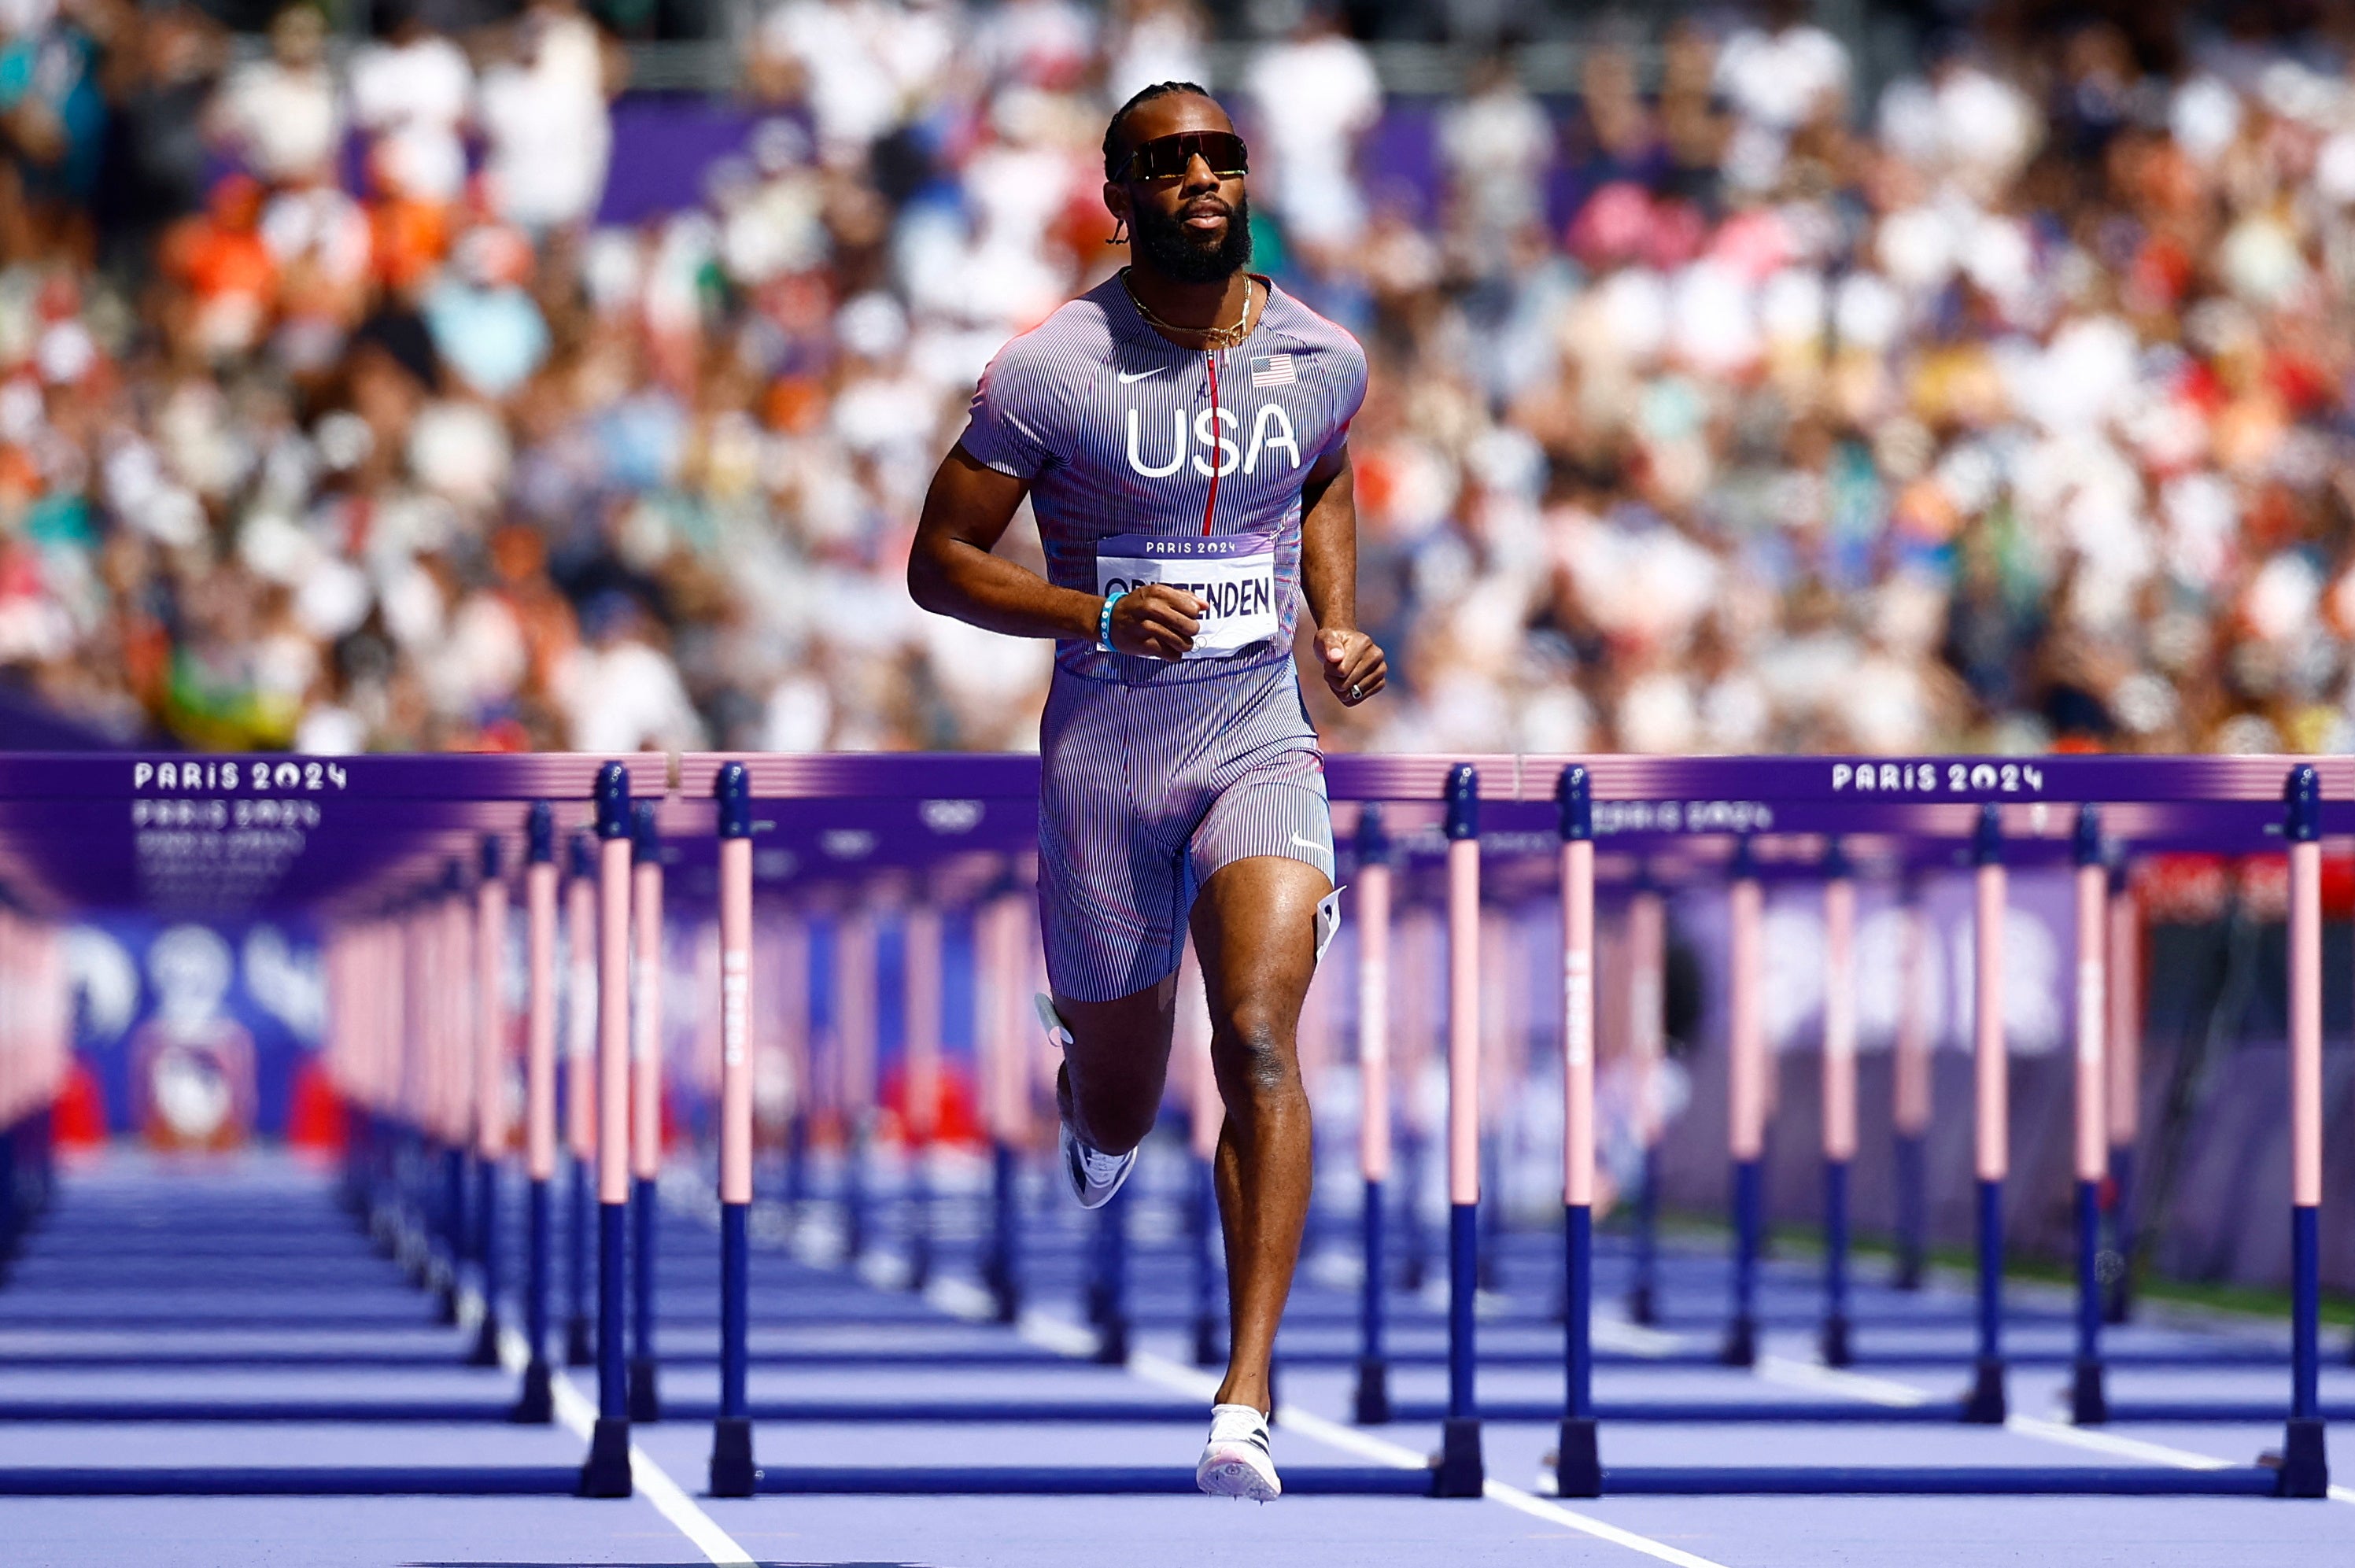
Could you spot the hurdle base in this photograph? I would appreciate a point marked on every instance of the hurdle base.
(1460, 1472)
(1834, 1344)
(607, 1472)
(1208, 1349)
(1577, 1461)
(1641, 1306)
(1370, 1406)
(733, 1474)
(2089, 1404)
(487, 1339)
(1005, 1297)
(579, 1350)
(534, 1404)
(2305, 1466)
(1111, 1342)
(1741, 1347)
(645, 1391)
(445, 1300)
(1986, 1404)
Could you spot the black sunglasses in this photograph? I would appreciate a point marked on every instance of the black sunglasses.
(1168, 158)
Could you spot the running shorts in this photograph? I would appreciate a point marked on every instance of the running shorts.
(1148, 788)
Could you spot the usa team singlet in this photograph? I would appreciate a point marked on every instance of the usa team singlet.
(1149, 462)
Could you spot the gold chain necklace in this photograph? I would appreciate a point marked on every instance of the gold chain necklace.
(1211, 336)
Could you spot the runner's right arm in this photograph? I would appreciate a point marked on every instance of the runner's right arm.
(951, 571)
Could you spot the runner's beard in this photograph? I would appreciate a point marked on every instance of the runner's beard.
(1177, 255)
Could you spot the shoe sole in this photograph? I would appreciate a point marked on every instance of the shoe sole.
(1080, 1189)
(1236, 1479)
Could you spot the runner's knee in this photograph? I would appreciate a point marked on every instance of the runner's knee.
(1258, 1058)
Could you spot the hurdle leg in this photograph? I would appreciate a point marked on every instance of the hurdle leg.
(490, 1030)
(1414, 1241)
(2117, 1306)
(2122, 1097)
(2305, 1468)
(1987, 1403)
(919, 1220)
(2088, 1405)
(1644, 1293)
(854, 1191)
(646, 1102)
(580, 1349)
(580, 1068)
(1111, 1282)
(733, 1472)
(1907, 1175)
(1740, 1346)
(1462, 1471)
(1578, 1463)
(1910, 1096)
(1370, 1401)
(1838, 1095)
(1746, 1102)
(1201, 1225)
(1492, 1180)
(454, 1233)
(1834, 1341)
(1005, 1267)
(646, 1396)
(1648, 928)
(486, 1228)
(607, 1472)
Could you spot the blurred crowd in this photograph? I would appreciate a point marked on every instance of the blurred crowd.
(1721, 406)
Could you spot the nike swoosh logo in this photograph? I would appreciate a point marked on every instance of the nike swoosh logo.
(1127, 377)
(1310, 844)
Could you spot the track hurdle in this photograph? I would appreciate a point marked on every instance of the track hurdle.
(2298, 1470)
(1005, 953)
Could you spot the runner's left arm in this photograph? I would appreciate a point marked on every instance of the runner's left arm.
(1328, 576)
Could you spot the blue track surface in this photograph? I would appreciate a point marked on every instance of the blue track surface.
(212, 1364)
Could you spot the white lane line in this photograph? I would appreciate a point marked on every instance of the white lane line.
(1791, 1373)
(1887, 1391)
(2112, 1442)
(1168, 1374)
(654, 1483)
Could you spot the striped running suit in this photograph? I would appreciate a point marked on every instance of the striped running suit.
(1150, 462)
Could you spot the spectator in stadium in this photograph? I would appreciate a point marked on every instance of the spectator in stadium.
(2004, 408)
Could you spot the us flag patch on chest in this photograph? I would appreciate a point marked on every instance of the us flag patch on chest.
(1273, 370)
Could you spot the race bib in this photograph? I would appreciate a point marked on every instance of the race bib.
(1235, 574)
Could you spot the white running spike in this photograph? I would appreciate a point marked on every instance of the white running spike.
(1236, 1462)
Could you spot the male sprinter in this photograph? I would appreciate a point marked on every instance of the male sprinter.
(1179, 432)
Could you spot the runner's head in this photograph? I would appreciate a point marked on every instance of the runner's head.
(1174, 174)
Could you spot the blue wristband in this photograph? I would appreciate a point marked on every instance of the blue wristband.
(1103, 622)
